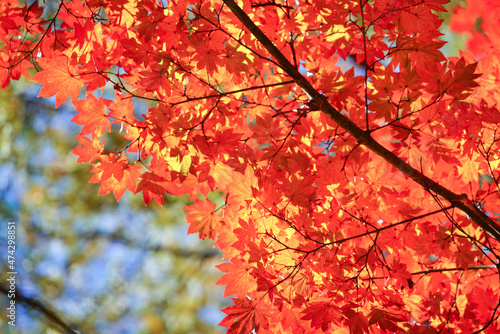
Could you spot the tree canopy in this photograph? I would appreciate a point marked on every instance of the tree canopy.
(359, 165)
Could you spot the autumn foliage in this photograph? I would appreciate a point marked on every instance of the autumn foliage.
(359, 165)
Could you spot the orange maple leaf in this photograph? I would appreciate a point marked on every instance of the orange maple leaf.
(115, 175)
(202, 219)
(386, 320)
(90, 149)
(322, 314)
(237, 279)
(245, 316)
(92, 115)
(58, 77)
(153, 187)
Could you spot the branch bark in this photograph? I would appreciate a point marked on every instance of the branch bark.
(460, 201)
(44, 309)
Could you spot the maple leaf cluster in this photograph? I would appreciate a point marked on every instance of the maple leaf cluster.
(357, 198)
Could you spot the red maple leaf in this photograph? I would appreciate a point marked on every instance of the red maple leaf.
(387, 321)
(58, 77)
(90, 149)
(238, 278)
(245, 316)
(92, 115)
(322, 315)
(203, 219)
(115, 175)
(153, 187)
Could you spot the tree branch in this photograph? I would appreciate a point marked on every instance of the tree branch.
(438, 270)
(41, 307)
(453, 269)
(219, 95)
(363, 137)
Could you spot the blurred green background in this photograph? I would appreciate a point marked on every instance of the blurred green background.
(104, 266)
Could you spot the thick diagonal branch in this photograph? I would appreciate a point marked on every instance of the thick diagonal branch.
(41, 307)
(460, 201)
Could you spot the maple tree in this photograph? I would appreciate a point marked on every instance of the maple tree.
(357, 198)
